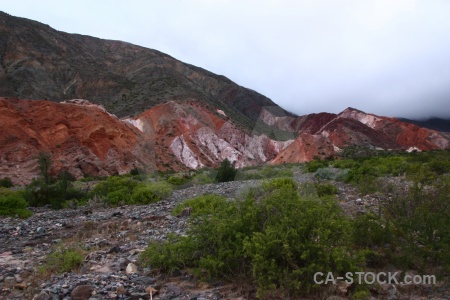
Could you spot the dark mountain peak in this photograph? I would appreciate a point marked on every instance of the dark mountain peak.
(438, 124)
(352, 109)
(39, 62)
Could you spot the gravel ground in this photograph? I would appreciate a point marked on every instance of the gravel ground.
(114, 238)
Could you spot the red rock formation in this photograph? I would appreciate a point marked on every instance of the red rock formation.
(85, 139)
(324, 135)
(81, 137)
(199, 136)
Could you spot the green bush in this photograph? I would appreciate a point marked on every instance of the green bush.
(439, 166)
(275, 172)
(342, 175)
(226, 171)
(115, 190)
(136, 172)
(316, 164)
(143, 195)
(202, 204)
(345, 164)
(276, 238)
(325, 173)
(204, 177)
(368, 184)
(372, 231)
(119, 197)
(49, 190)
(160, 189)
(326, 189)
(13, 204)
(419, 219)
(63, 260)
(6, 182)
(176, 180)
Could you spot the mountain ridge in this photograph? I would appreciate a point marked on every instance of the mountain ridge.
(150, 111)
(39, 62)
(434, 123)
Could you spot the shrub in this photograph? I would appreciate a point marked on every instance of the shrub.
(6, 182)
(371, 231)
(226, 171)
(143, 195)
(118, 197)
(50, 190)
(326, 189)
(204, 177)
(316, 164)
(368, 184)
(419, 218)
(118, 190)
(160, 189)
(342, 175)
(278, 184)
(63, 260)
(278, 239)
(202, 204)
(13, 204)
(325, 173)
(176, 180)
(136, 172)
(115, 190)
(439, 167)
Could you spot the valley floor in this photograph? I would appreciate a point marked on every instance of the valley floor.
(114, 238)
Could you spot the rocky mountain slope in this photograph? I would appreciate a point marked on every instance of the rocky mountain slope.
(81, 137)
(39, 62)
(85, 139)
(431, 123)
(326, 135)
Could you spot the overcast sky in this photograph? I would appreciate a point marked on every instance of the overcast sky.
(388, 57)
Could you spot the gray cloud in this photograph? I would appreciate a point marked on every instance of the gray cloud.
(388, 57)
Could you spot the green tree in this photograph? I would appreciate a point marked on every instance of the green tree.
(45, 163)
(226, 171)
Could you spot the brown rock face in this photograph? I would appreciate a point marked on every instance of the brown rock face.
(81, 137)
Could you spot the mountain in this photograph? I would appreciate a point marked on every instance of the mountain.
(84, 139)
(81, 138)
(38, 62)
(147, 110)
(354, 127)
(431, 123)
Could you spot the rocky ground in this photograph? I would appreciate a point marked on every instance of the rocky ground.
(114, 238)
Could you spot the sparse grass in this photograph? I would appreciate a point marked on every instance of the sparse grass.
(63, 260)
